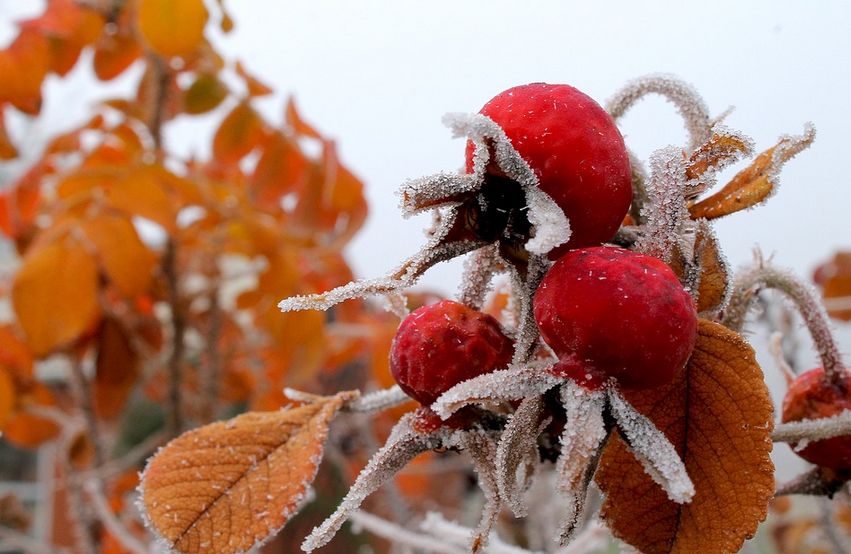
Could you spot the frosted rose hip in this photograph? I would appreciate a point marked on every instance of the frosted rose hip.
(575, 150)
(440, 345)
(608, 312)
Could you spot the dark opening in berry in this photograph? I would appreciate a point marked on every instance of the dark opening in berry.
(576, 152)
(814, 396)
(608, 312)
(443, 344)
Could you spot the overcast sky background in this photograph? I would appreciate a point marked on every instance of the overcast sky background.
(378, 75)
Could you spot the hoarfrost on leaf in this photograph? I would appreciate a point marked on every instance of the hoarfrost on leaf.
(517, 452)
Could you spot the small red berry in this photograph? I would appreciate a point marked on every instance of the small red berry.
(575, 150)
(813, 396)
(608, 312)
(440, 345)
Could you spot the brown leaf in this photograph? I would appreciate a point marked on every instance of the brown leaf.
(172, 27)
(756, 182)
(227, 486)
(55, 295)
(718, 415)
(720, 150)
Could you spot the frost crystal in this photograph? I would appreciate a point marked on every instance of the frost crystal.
(517, 452)
(435, 191)
(584, 433)
(666, 211)
(688, 102)
(479, 270)
(652, 448)
(514, 383)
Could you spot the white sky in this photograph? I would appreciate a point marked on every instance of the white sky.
(377, 76)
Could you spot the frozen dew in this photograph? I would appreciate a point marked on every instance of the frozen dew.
(403, 446)
(652, 448)
(666, 211)
(682, 95)
(514, 383)
(787, 148)
(349, 291)
(517, 452)
(583, 436)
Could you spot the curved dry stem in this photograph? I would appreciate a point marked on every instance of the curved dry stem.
(682, 95)
(479, 270)
(482, 451)
(748, 284)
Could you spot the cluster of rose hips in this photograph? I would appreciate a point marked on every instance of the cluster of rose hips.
(607, 312)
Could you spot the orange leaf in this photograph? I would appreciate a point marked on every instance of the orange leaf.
(241, 131)
(755, 183)
(295, 121)
(7, 149)
(255, 87)
(125, 260)
(24, 65)
(204, 94)
(114, 53)
(834, 277)
(55, 295)
(172, 27)
(227, 486)
(142, 191)
(14, 354)
(721, 149)
(281, 169)
(27, 430)
(718, 415)
(115, 369)
(7, 397)
(714, 273)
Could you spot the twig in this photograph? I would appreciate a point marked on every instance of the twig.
(174, 417)
(130, 460)
(775, 345)
(400, 536)
(818, 481)
(108, 518)
(813, 429)
(82, 392)
(749, 282)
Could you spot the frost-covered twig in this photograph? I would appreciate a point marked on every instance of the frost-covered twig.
(377, 401)
(107, 517)
(400, 536)
(813, 429)
(435, 524)
(775, 345)
(750, 281)
(682, 95)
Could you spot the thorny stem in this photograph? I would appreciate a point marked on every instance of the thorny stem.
(174, 417)
(761, 276)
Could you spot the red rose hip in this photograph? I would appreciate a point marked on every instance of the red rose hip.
(608, 313)
(440, 345)
(575, 150)
(813, 396)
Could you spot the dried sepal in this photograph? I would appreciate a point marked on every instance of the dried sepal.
(479, 270)
(377, 401)
(514, 383)
(583, 436)
(436, 191)
(639, 190)
(723, 148)
(665, 210)
(482, 450)
(517, 453)
(652, 448)
(703, 269)
(527, 329)
(682, 95)
(755, 183)
(403, 446)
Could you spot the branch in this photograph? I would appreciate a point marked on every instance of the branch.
(813, 429)
(400, 536)
(174, 418)
(107, 517)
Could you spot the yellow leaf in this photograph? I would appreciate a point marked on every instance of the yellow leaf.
(756, 182)
(55, 295)
(173, 27)
(718, 415)
(125, 260)
(227, 486)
